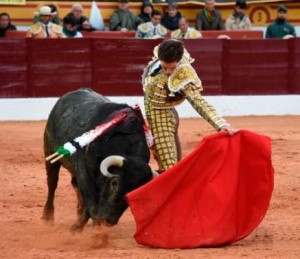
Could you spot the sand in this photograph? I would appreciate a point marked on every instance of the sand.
(23, 194)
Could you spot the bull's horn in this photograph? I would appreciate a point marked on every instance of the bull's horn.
(110, 161)
(154, 173)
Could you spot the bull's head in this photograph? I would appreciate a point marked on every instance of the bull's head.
(122, 175)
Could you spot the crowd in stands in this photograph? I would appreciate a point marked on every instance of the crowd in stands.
(150, 23)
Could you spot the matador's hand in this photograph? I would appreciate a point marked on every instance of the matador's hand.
(227, 128)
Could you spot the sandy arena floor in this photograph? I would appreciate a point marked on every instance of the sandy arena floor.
(23, 194)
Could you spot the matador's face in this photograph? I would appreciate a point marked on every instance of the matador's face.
(168, 68)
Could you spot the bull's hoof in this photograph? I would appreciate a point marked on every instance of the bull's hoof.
(76, 228)
(48, 218)
(101, 221)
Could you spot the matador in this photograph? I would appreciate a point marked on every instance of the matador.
(168, 80)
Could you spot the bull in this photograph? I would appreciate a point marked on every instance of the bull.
(114, 164)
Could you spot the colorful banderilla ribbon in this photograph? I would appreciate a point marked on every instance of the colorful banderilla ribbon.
(86, 138)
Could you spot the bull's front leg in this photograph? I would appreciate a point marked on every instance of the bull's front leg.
(82, 219)
(52, 180)
(83, 214)
(80, 201)
(87, 193)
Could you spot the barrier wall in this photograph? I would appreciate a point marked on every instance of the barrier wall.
(52, 67)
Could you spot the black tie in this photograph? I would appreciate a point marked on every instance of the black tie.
(47, 31)
(154, 31)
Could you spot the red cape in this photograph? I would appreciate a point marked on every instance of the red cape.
(216, 195)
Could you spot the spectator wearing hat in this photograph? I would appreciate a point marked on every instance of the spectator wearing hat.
(45, 28)
(238, 20)
(280, 28)
(54, 17)
(123, 19)
(5, 24)
(185, 31)
(146, 11)
(82, 22)
(171, 18)
(209, 18)
(153, 29)
(70, 28)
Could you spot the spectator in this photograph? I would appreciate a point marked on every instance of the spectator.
(153, 29)
(171, 18)
(146, 11)
(70, 28)
(82, 22)
(238, 20)
(45, 28)
(5, 24)
(209, 18)
(54, 18)
(123, 19)
(185, 31)
(280, 28)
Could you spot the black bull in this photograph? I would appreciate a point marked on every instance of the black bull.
(100, 194)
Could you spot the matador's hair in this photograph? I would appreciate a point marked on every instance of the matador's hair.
(170, 51)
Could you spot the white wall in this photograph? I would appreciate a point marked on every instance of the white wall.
(39, 108)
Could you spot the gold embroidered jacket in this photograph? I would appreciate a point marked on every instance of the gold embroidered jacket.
(146, 31)
(38, 31)
(164, 92)
(189, 34)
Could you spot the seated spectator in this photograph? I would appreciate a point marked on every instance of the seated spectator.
(146, 11)
(70, 28)
(238, 20)
(5, 24)
(153, 29)
(45, 28)
(171, 18)
(123, 19)
(82, 22)
(185, 31)
(54, 18)
(280, 28)
(209, 18)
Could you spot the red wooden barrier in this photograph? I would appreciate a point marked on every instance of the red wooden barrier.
(118, 65)
(58, 66)
(208, 57)
(13, 68)
(255, 66)
(52, 67)
(294, 66)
